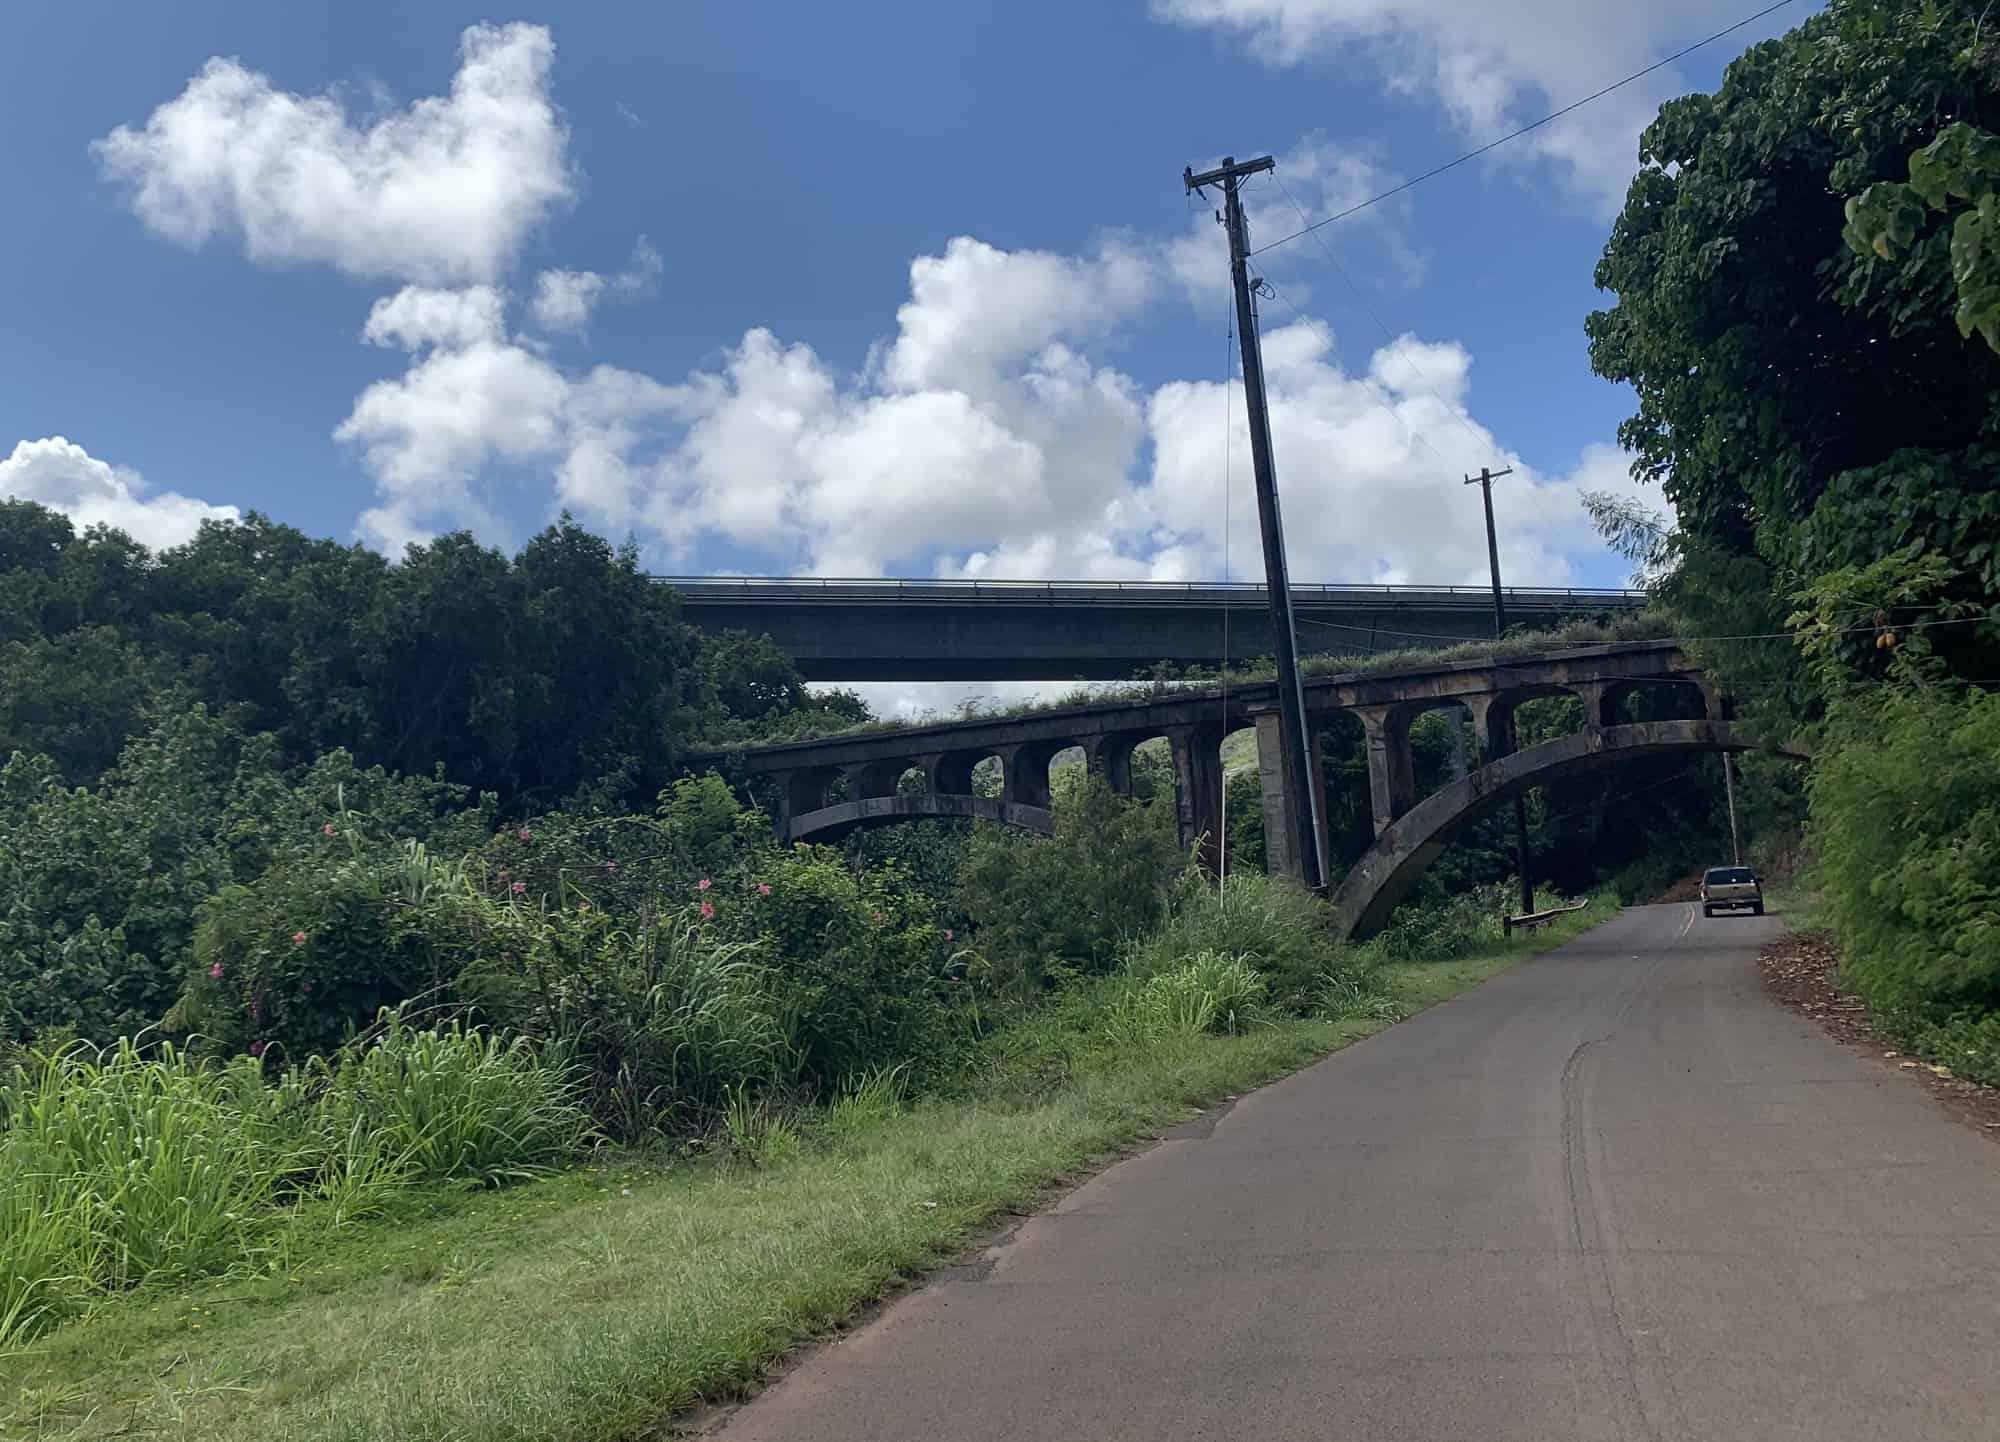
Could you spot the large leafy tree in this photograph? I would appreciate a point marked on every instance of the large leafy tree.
(1805, 406)
(559, 669)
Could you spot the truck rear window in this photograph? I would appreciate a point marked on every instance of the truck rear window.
(1731, 876)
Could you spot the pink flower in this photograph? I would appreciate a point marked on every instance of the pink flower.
(708, 911)
(298, 938)
(878, 918)
(763, 888)
(256, 1048)
(215, 971)
(327, 830)
(519, 888)
(527, 835)
(702, 885)
(947, 933)
(612, 867)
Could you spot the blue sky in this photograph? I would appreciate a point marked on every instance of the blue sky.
(883, 289)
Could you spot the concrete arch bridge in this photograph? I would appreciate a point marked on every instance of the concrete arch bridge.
(1409, 833)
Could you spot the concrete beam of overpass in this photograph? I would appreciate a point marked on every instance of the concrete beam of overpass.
(837, 630)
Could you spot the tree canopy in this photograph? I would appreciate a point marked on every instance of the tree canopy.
(528, 677)
(1808, 407)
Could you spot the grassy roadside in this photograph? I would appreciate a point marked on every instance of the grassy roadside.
(593, 1305)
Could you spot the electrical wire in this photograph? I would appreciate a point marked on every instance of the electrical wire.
(1481, 442)
(1491, 145)
(1742, 636)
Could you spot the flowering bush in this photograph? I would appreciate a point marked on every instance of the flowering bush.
(861, 964)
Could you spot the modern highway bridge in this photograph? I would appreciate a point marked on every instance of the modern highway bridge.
(839, 630)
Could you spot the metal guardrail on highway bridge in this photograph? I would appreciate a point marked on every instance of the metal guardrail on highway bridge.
(813, 589)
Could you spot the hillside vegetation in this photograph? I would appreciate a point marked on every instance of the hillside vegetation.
(1805, 305)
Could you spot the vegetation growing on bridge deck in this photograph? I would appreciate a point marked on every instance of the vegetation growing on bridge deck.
(1655, 623)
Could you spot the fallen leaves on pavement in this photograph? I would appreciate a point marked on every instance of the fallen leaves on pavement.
(1802, 970)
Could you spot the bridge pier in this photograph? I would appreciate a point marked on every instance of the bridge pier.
(874, 778)
(807, 789)
(1392, 777)
(1197, 752)
(1280, 858)
(1111, 758)
(1025, 772)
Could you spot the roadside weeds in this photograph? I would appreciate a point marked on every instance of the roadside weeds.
(599, 1306)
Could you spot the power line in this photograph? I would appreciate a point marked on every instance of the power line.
(1361, 298)
(1742, 636)
(1533, 125)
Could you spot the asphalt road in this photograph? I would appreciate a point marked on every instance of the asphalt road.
(1614, 1193)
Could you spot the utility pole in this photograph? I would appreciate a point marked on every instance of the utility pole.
(1299, 770)
(1484, 480)
(1729, 789)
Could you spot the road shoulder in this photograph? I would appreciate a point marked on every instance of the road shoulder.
(1801, 970)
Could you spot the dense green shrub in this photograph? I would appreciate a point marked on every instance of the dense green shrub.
(663, 1019)
(101, 888)
(1050, 908)
(862, 965)
(1273, 924)
(1905, 823)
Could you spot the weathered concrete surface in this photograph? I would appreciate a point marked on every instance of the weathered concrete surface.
(1110, 631)
(829, 823)
(1616, 1193)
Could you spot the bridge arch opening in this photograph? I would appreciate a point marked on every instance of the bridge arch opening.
(1387, 872)
(973, 772)
(1654, 698)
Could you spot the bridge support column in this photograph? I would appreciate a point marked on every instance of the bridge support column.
(1392, 780)
(1280, 855)
(951, 773)
(1492, 726)
(1111, 758)
(801, 791)
(877, 778)
(1197, 754)
(1025, 772)
(1598, 700)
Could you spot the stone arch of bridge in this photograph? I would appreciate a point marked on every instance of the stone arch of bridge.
(1390, 868)
(1392, 768)
(831, 822)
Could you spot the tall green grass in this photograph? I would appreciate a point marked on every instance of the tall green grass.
(125, 1166)
(1273, 924)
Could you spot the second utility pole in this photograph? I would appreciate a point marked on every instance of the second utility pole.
(1484, 480)
(1301, 774)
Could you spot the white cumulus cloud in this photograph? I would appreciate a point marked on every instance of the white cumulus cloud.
(1493, 66)
(59, 474)
(564, 298)
(982, 438)
(418, 316)
(442, 191)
